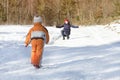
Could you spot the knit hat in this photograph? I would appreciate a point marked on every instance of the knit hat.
(37, 19)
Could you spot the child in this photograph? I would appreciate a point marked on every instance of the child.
(66, 29)
(37, 36)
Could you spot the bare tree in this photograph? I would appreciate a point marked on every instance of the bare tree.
(54, 11)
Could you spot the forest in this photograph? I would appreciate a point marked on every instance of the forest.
(53, 12)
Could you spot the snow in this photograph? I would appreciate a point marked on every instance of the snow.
(91, 53)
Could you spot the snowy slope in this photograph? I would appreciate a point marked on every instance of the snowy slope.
(91, 53)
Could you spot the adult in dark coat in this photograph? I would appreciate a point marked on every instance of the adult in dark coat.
(66, 29)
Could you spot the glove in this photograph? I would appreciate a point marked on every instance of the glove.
(26, 45)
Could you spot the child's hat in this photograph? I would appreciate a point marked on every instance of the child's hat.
(37, 19)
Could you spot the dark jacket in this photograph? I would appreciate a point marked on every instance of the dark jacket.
(66, 28)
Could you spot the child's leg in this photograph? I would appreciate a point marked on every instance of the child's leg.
(62, 32)
(33, 55)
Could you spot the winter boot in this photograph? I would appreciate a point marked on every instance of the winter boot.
(36, 66)
(63, 37)
(68, 37)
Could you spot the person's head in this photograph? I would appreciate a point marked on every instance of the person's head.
(66, 21)
(37, 19)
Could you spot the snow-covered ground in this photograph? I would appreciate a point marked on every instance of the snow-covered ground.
(91, 53)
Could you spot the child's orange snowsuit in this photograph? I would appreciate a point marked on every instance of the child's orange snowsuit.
(37, 44)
